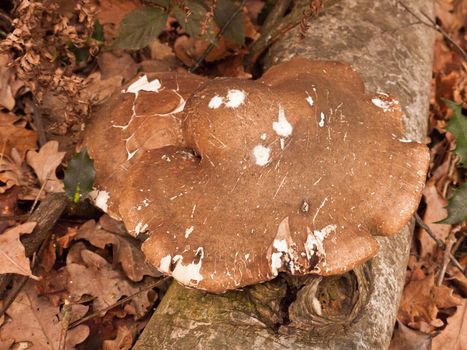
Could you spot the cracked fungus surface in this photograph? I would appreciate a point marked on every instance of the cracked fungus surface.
(235, 181)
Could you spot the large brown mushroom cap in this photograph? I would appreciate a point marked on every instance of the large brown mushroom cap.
(294, 172)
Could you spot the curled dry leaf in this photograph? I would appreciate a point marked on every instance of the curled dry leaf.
(35, 320)
(14, 172)
(108, 285)
(12, 254)
(123, 341)
(45, 163)
(13, 134)
(189, 50)
(99, 90)
(417, 302)
(125, 251)
(9, 86)
(454, 336)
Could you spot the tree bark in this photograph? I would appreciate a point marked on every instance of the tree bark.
(393, 53)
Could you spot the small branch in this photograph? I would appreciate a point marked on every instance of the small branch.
(432, 24)
(66, 312)
(38, 123)
(218, 36)
(46, 215)
(275, 15)
(441, 245)
(120, 302)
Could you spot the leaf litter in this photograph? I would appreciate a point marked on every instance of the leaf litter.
(66, 86)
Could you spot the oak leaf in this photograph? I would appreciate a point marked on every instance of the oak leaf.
(107, 286)
(125, 251)
(12, 254)
(35, 320)
(45, 163)
(13, 134)
(418, 303)
(454, 336)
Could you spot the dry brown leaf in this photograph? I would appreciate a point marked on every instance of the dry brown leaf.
(64, 241)
(188, 50)
(435, 211)
(14, 172)
(100, 90)
(124, 251)
(108, 285)
(12, 254)
(9, 86)
(45, 163)
(35, 320)
(123, 341)
(13, 134)
(405, 338)
(454, 336)
(444, 298)
(417, 303)
(458, 279)
(113, 64)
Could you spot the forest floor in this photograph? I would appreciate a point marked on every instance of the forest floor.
(60, 60)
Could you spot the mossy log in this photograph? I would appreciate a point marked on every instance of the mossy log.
(393, 53)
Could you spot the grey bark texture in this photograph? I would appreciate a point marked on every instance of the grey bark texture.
(393, 54)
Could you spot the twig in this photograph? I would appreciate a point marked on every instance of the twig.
(21, 281)
(439, 243)
(427, 228)
(48, 212)
(213, 44)
(432, 24)
(446, 257)
(120, 302)
(66, 312)
(275, 15)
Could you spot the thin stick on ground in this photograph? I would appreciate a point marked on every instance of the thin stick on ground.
(120, 302)
(432, 24)
(218, 36)
(439, 243)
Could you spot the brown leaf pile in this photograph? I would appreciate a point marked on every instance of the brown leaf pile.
(433, 303)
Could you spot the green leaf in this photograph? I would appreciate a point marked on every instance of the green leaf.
(458, 127)
(79, 176)
(98, 32)
(192, 23)
(235, 31)
(457, 207)
(139, 27)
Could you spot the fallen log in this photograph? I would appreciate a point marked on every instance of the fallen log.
(392, 51)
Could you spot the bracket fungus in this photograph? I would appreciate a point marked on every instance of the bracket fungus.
(236, 180)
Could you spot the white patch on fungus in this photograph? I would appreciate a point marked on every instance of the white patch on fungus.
(247, 256)
(315, 239)
(235, 98)
(165, 263)
(140, 228)
(263, 136)
(310, 101)
(386, 106)
(321, 120)
(276, 263)
(189, 231)
(282, 127)
(261, 154)
(405, 140)
(100, 199)
(190, 272)
(216, 102)
(142, 84)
